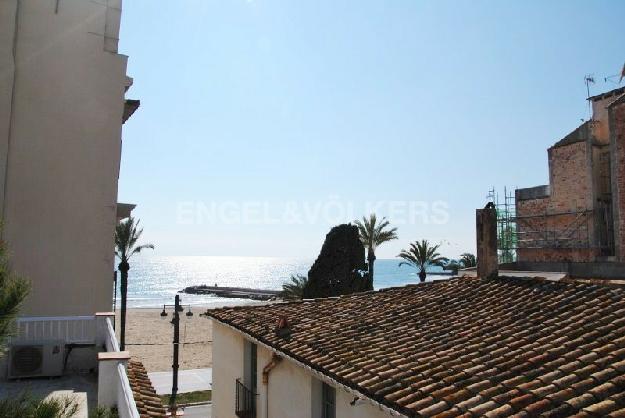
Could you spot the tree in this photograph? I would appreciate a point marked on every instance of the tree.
(453, 266)
(468, 260)
(127, 234)
(13, 291)
(420, 255)
(295, 288)
(373, 235)
(25, 406)
(340, 267)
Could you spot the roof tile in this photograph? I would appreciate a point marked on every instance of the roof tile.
(464, 346)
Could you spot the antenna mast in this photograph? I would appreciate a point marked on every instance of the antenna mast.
(588, 80)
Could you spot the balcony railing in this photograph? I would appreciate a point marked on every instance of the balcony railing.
(245, 401)
(96, 330)
(71, 329)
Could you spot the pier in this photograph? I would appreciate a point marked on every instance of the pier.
(232, 292)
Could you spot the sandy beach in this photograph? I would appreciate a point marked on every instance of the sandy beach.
(149, 339)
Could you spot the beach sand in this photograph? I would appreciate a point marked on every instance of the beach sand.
(149, 339)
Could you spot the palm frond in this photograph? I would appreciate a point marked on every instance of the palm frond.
(422, 254)
(373, 233)
(295, 288)
(127, 234)
(468, 260)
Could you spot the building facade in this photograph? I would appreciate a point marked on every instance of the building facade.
(462, 347)
(579, 215)
(62, 106)
(288, 391)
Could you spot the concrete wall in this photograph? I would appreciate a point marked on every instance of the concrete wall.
(60, 122)
(228, 352)
(290, 389)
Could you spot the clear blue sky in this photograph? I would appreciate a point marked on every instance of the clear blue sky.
(271, 102)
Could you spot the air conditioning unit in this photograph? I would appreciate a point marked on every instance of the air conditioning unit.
(36, 359)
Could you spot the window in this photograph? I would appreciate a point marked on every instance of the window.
(246, 388)
(250, 365)
(328, 401)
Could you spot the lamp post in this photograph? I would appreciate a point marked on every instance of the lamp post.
(173, 409)
(114, 297)
(174, 384)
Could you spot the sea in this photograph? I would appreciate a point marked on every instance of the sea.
(155, 280)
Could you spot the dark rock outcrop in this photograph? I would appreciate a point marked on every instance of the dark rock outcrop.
(340, 266)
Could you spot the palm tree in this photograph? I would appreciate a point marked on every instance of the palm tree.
(295, 288)
(420, 255)
(13, 291)
(127, 234)
(453, 266)
(468, 260)
(373, 235)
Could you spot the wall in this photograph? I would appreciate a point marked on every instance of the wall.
(290, 386)
(600, 125)
(617, 144)
(571, 192)
(227, 354)
(65, 110)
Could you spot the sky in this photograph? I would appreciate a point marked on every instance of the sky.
(264, 123)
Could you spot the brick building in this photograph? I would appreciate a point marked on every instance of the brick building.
(580, 215)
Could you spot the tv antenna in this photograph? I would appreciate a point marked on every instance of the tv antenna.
(588, 80)
(612, 78)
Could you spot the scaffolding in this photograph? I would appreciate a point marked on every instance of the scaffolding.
(506, 225)
(546, 229)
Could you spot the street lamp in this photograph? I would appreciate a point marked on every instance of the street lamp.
(176, 323)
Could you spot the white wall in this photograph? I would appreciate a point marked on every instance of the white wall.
(65, 109)
(228, 348)
(290, 386)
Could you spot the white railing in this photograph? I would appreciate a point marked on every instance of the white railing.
(126, 406)
(113, 385)
(110, 340)
(71, 329)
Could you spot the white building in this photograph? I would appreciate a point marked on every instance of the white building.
(62, 105)
(463, 347)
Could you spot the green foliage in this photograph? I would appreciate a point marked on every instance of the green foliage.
(25, 406)
(189, 397)
(127, 234)
(372, 234)
(103, 412)
(340, 267)
(13, 291)
(468, 260)
(453, 266)
(294, 289)
(420, 255)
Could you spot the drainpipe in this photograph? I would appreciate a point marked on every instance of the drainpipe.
(275, 359)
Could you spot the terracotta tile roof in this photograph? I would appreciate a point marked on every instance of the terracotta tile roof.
(462, 347)
(148, 403)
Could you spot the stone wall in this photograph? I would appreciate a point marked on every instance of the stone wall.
(617, 127)
(554, 227)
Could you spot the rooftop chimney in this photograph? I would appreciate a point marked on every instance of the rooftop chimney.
(486, 233)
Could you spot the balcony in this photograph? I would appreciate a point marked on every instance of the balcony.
(89, 345)
(245, 402)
